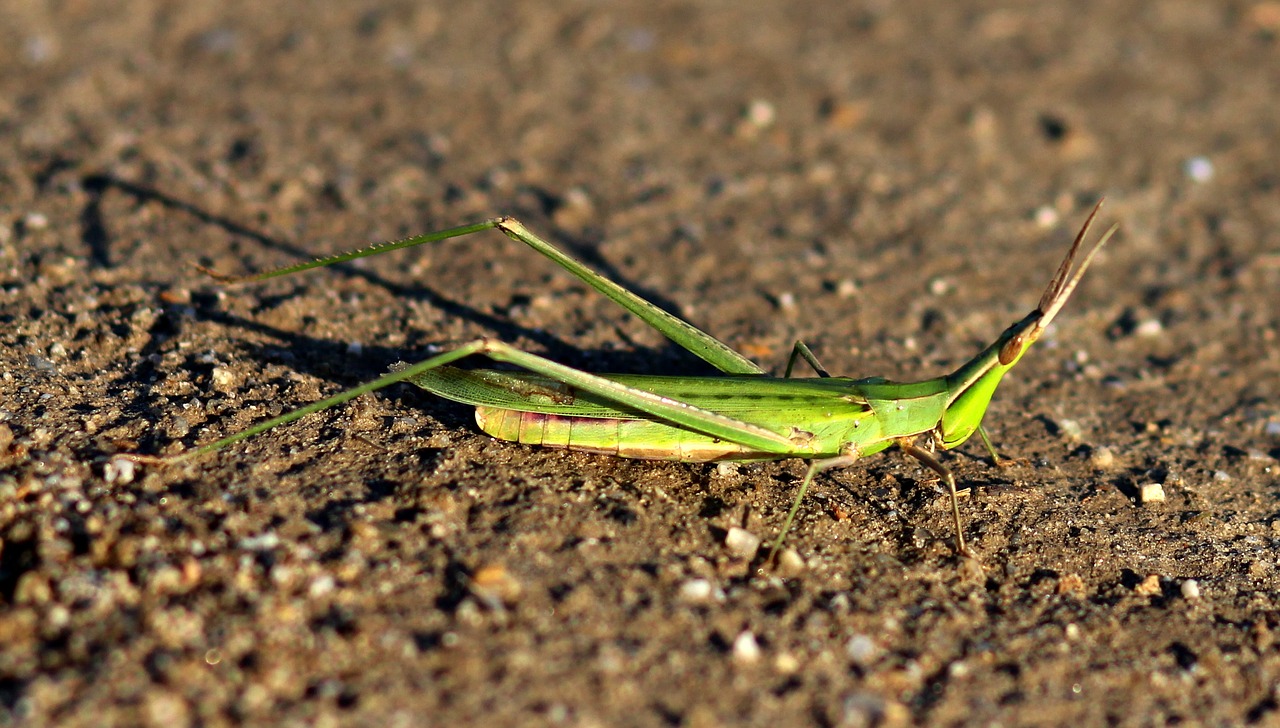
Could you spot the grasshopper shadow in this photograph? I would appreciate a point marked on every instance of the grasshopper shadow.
(97, 237)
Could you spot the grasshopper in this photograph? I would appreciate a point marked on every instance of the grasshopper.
(742, 414)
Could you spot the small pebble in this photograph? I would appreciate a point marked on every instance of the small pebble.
(728, 467)
(1198, 169)
(1071, 429)
(1046, 217)
(1149, 587)
(224, 380)
(697, 591)
(761, 113)
(1190, 589)
(495, 585)
(790, 563)
(1103, 458)
(1272, 428)
(861, 649)
(1152, 493)
(745, 648)
(119, 471)
(786, 663)
(742, 543)
(1149, 328)
(320, 586)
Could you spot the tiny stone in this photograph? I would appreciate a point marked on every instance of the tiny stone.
(1149, 587)
(1221, 476)
(1072, 632)
(745, 647)
(790, 563)
(939, 286)
(786, 663)
(861, 649)
(1152, 493)
(119, 471)
(787, 301)
(761, 113)
(742, 543)
(728, 467)
(223, 379)
(1190, 589)
(1103, 458)
(1046, 217)
(1198, 169)
(321, 586)
(1272, 428)
(697, 591)
(1070, 584)
(846, 288)
(496, 585)
(1149, 328)
(1071, 429)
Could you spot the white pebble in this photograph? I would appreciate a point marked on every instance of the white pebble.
(1149, 328)
(1071, 429)
(761, 113)
(1273, 428)
(119, 471)
(224, 380)
(321, 586)
(35, 221)
(790, 563)
(697, 591)
(745, 647)
(1190, 589)
(742, 543)
(1152, 493)
(861, 649)
(1046, 217)
(1198, 169)
(1103, 458)
(728, 467)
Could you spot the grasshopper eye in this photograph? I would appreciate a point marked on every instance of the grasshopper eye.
(1010, 350)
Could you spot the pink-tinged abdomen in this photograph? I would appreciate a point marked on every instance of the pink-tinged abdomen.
(639, 439)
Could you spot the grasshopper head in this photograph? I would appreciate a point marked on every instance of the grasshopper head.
(972, 385)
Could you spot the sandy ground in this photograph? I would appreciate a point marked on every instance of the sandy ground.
(892, 182)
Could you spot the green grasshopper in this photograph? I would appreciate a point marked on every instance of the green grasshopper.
(742, 414)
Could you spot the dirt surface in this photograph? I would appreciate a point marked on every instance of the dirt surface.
(892, 182)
